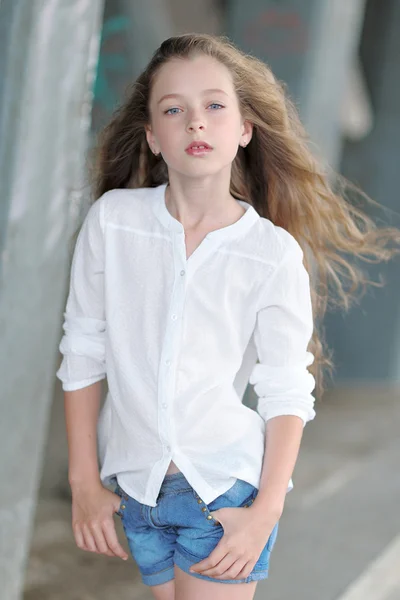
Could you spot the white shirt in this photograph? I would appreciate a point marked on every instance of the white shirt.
(178, 340)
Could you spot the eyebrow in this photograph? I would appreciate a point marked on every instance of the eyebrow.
(213, 90)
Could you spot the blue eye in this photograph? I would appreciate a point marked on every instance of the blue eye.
(168, 112)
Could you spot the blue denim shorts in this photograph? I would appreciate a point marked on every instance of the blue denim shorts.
(180, 529)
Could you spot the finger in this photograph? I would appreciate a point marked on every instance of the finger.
(228, 570)
(99, 540)
(220, 568)
(79, 539)
(112, 540)
(236, 569)
(213, 561)
(88, 538)
(247, 569)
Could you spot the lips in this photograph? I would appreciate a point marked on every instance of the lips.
(199, 146)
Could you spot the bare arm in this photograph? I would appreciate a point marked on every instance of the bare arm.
(282, 445)
(81, 414)
(92, 504)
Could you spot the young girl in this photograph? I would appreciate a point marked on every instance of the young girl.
(194, 263)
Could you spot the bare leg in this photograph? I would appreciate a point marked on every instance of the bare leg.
(164, 591)
(189, 587)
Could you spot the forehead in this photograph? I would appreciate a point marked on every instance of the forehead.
(189, 76)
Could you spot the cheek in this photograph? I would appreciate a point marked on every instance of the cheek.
(171, 142)
(168, 133)
(229, 125)
(228, 137)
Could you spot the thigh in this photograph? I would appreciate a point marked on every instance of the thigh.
(201, 533)
(187, 586)
(164, 591)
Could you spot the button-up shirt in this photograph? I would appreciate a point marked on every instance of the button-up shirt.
(180, 338)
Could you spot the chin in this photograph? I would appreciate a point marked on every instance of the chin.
(199, 170)
(208, 167)
(202, 174)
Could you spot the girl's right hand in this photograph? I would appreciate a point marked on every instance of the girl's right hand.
(92, 520)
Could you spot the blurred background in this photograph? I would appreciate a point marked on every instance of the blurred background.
(64, 67)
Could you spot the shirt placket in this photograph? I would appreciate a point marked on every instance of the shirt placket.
(170, 352)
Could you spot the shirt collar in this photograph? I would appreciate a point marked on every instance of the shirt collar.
(237, 228)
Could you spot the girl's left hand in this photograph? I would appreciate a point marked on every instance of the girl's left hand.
(245, 536)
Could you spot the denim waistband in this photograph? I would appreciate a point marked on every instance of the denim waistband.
(175, 481)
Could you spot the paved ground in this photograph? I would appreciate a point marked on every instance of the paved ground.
(339, 536)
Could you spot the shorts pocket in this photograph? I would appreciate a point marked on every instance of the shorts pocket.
(239, 495)
(122, 506)
(249, 501)
(232, 498)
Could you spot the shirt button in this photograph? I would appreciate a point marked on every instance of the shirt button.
(174, 317)
(168, 362)
(182, 272)
(168, 448)
(164, 405)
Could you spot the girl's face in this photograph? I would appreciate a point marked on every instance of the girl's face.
(194, 100)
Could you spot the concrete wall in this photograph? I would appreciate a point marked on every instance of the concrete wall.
(49, 51)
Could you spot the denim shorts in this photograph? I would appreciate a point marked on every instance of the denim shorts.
(181, 531)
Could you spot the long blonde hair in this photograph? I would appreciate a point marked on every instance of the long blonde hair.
(276, 172)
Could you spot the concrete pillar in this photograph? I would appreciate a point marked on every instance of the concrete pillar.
(366, 341)
(312, 46)
(309, 44)
(48, 52)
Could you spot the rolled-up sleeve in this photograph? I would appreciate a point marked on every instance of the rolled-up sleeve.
(83, 342)
(282, 333)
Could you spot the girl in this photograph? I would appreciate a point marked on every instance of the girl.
(189, 267)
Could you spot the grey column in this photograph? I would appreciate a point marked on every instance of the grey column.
(366, 341)
(48, 51)
(309, 44)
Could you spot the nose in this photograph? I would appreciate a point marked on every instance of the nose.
(195, 123)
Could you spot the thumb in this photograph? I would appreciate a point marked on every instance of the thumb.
(214, 514)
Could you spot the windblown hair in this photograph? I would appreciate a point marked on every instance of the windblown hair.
(276, 173)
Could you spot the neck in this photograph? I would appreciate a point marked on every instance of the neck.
(201, 204)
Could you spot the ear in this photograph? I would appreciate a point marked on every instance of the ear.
(150, 138)
(247, 132)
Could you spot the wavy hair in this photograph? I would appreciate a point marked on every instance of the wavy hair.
(277, 173)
